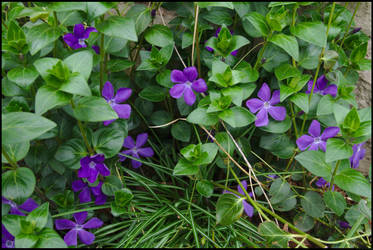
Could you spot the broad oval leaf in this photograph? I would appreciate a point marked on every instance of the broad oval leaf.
(229, 208)
(94, 109)
(16, 151)
(23, 76)
(119, 26)
(259, 22)
(335, 201)
(80, 62)
(18, 184)
(353, 181)
(312, 32)
(47, 98)
(287, 43)
(337, 149)
(314, 161)
(108, 141)
(313, 204)
(159, 35)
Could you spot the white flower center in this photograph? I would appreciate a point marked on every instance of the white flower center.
(317, 140)
(266, 105)
(9, 244)
(134, 150)
(188, 83)
(12, 204)
(78, 227)
(81, 42)
(92, 164)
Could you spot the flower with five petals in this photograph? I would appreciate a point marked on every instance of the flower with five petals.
(76, 40)
(135, 149)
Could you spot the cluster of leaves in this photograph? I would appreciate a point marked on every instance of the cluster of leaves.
(52, 114)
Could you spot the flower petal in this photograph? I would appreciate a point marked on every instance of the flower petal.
(93, 223)
(88, 31)
(108, 122)
(80, 217)
(136, 164)
(331, 90)
(199, 85)
(100, 199)
(249, 210)
(127, 152)
(209, 49)
(96, 49)
(71, 238)
(275, 97)
(189, 96)
(79, 31)
(244, 184)
(177, 90)
(122, 95)
(146, 152)
(321, 182)
(309, 87)
(254, 104)
(322, 146)
(97, 189)
(29, 205)
(190, 73)
(314, 146)
(141, 139)
(234, 53)
(277, 112)
(102, 169)
(329, 133)
(108, 91)
(178, 76)
(261, 118)
(86, 237)
(321, 82)
(85, 195)
(78, 185)
(314, 128)
(70, 40)
(98, 158)
(92, 174)
(15, 210)
(62, 224)
(264, 93)
(304, 141)
(128, 142)
(123, 110)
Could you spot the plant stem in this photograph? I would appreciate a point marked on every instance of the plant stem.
(247, 54)
(82, 131)
(293, 24)
(349, 25)
(293, 118)
(258, 61)
(195, 32)
(334, 172)
(7, 157)
(55, 42)
(102, 54)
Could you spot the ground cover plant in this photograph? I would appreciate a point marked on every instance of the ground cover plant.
(234, 124)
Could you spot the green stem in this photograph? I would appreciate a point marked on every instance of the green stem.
(55, 42)
(102, 60)
(334, 172)
(7, 157)
(290, 161)
(198, 138)
(247, 54)
(293, 118)
(258, 61)
(349, 25)
(293, 24)
(81, 210)
(82, 131)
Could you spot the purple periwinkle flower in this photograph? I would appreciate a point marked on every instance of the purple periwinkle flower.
(27, 206)
(315, 141)
(96, 49)
(76, 40)
(355, 30)
(85, 194)
(321, 182)
(7, 240)
(123, 110)
(265, 105)
(272, 176)
(135, 149)
(344, 224)
(153, 12)
(320, 87)
(234, 53)
(187, 82)
(77, 228)
(249, 210)
(359, 153)
(91, 166)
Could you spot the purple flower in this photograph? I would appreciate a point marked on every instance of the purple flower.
(85, 194)
(249, 210)
(321, 182)
(315, 140)
(355, 30)
(27, 206)
(265, 105)
(234, 53)
(344, 224)
(123, 110)
(96, 49)
(320, 87)
(78, 228)
(135, 150)
(153, 12)
(7, 240)
(76, 40)
(187, 82)
(359, 153)
(91, 166)
(273, 176)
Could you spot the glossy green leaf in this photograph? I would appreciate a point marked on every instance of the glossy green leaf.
(116, 65)
(40, 36)
(205, 188)
(185, 167)
(39, 216)
(47, 98)
(68, 6)
(287, 43)
(122, 197)
(278, 144)
(312, 32)
(70, 153)
(325, 106)
(359, 53)
(285, 71)
(141, 14)
(353, 181)
(287, 204)
(237, 117)
(159, 35)
(118, 26)
(108, 141)
(164, 79)
(12, 223)
(229, 208)
(153, 93)
(48, 238)
(304, 222)
(228, 5)
(337, 149)
(23, 240)
(259, 22)
(301, 100)
(314, 161)
(279, 191)
(275, 236)
(110, 185)
(352, 120)
(23, 76)
(96, 9)
(335, 201)
(42, 65)
(17, 184)
(313, 204)
(94, 109)
(186, 40)
(200, 116)
(277, 126)
(16, 151)
(80, 62)
(181, 131)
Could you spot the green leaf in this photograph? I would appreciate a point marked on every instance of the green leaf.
(200, 116)
(39, 216)
(359, 53)
(96, 9)
(287, 204)
(301, 100)
(23, 126)
(80, 62)
(48, 238)
(287, 43)
(108, 141)
(16, 151)
(186, 40)
(14, 33)
(352, 120)
(226, 142)
(340, 113)
(117, 210)
(285, 71)
(212, 150)
(114, 44)
(159, 35)
(353, 181)
(325, 106)
(278, 144)
(314, 161)
(9, 88)
(205, 188)
(275, 236)
(235, 93)
(277, 126)
(38, 37)
(185, 167)
(279, 191)
(94, 109)
(23, 76)
(218, 16)
(25, 240)
(68, 6)
(116, 65)
(335, 201)
(259, 22)
(181, 131)
(12, 223)
(153, 93)
(141, 14)
(237, 117)
(229, 208)
(304, 222)
(312, 32)
(42, 65)
(110, 185)
(47, 98)
(337, 149)
(164, 79)
(122, 197)
(237, 42)
(17, 184)
(70, 153)
(228, 5)
(313, 204)
(118, 26)
(76, 85)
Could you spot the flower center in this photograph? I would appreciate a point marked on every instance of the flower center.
(134, 150)
(9, 243)
(317, 140)
(78, 227)
(92, 164)
(266, 105)
(188, 83)
(12, 204)
(81, 42)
